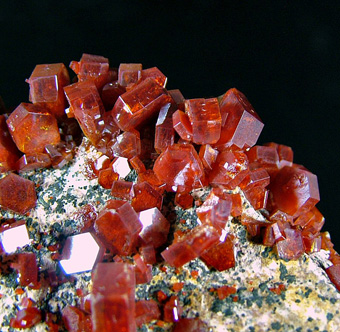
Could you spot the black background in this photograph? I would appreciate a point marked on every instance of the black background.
(283, 55)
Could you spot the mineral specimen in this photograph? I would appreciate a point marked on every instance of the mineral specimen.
(168, 201)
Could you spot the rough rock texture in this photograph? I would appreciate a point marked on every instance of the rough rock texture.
(271, 294)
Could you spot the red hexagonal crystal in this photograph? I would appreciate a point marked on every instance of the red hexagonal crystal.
(172, 310)
(32, 127)
(9, 154)
(230, 169)
(292, 246)
(76, 320)
(113, 298)
(93, 68)
(143, 271)
(191, 245)
(127, 145)
(29, 162)
(190, 325)
(87, 107)
(164, 134)
(215, 209)
(27, 268)
(241, 125)
(146, 197)
(295, 190)
(139, 104)
(129, 73)
(26, 318)
(182, 125)
(122, 189)
(333, 273)
(156, 74)
(146, 311)
(208, 156)
(46, 87)
(17, 194)
(118, 228)
(205, 118)
(155, 227)
(180, 166)
(221, 255)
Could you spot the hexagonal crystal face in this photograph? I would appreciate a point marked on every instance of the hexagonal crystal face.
(81, 252)
(14, 237)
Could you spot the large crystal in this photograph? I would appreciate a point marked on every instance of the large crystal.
(241, 125)
(32, 127)
(9, 154)
(113, 298)
(87, 107)
(17, 194)
(46, 87)
(205, 118)
(139, 104)
(80, 253)
(179, 166)
(118, 228)
(295, 190)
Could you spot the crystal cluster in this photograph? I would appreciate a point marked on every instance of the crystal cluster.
(174, 145)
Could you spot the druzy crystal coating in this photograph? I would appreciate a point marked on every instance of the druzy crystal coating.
(156, 151)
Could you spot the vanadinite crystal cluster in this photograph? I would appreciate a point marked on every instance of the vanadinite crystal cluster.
(124, 205)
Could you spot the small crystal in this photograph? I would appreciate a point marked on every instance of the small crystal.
(76, 320)
(295, 191)
(146, 197)
(191, 245)
(143, 271)
(182, 125)
(26, 318)
(17, 194)
(27, 269)
(146, 311)
(164, 134)
(129, 73)
(156, 74)
(80, 253)
(122, 189)
(29, 162)
(118, 228)
(127, 145)
(14, 236)
(191, 325)
(121, 166)
(292, 246)
(172, 310)
(179, 166)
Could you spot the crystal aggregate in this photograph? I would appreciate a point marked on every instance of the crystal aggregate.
(175, 145)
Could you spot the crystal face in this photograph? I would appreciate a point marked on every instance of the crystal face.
(14, 236)
(46, 87)
(32, 128)
(113, 298)
(17, 194)
(80, 253)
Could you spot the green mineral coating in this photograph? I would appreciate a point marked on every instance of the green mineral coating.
(329, 316)
(276, 326)
(217, 305)
(283, 271)
(310, 319)
(299, 329)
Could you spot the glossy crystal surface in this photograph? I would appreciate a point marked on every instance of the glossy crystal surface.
(80, 253)
(32, 127)
(17, 194)
(136, 106)
(46, 87)
(113, 298)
